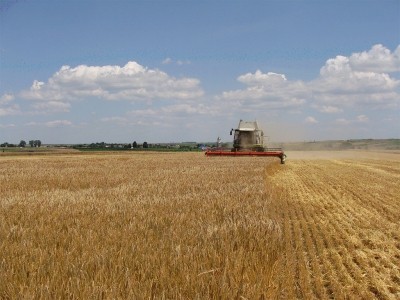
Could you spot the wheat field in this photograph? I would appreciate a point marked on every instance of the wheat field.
(184, 226)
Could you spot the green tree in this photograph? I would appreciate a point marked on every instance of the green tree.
(134, 144)
(145, 145)
(22, 143)
(35, 143)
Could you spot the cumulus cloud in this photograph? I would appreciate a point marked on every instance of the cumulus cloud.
(362, 82)
(261, 79)
(311, 120)
(51, 107)
(7, 125)
(54, 123)
(327, 109)
(130, 82)
(183, 62)
(189, 109)
(362, 79)
(10, 110)
(58, 123)
(171, 111)
(6, 98)
(143, 112)
(115, 119)
(168, 61)
(6, 106)
(342, 121)
(127, 121)
(362, 119)
(358, 80)
(378, 59)
(337, 74)
(266, 90)
(164, 116)
(358, 119)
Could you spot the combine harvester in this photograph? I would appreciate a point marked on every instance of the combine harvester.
(248, 140)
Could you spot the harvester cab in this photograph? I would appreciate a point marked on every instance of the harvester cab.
(248, 136)
(248, 140)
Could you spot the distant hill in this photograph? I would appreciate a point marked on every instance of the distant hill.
(362, 144)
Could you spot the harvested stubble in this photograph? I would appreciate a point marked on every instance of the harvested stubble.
(176, 226)
(341, 229)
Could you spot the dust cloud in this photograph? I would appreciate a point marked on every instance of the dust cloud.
(344, 154)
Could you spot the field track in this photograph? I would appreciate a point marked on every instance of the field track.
(184, 226)
(341, 228)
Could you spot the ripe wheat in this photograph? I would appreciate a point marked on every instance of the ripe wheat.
(135, 226)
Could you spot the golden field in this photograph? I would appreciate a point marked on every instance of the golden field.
(184, 226)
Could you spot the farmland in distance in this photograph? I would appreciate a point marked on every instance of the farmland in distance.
(183, 226)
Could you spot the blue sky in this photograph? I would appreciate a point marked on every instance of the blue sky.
(171, 71)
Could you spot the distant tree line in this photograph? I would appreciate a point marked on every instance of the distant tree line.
(103, 145)
(35, 143)
(184, 146)
(22, 144)
(135, 145)
(143, 146)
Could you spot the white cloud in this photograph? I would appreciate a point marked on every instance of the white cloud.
(143, 112)
(378, 59)
(36, 85)
(337, 74)
(31, 124)
(6, 98)
(261, 79)
(361, 82)
(10, 110)
(51, 107)
(358, 119)
(183, 62)
(311, 120)
(343, 121)
(115, 119)
(340, 85)
(58, 123)
(189, 109)
(327, 109)
(6, 106)
(129, 121)
(351, 81)
(266, 91)
(362, 119)
(7, 125)
(130, 82)
(343, 82)
(164, 116)
(171, 111)
(54, 123)
(167, 61)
